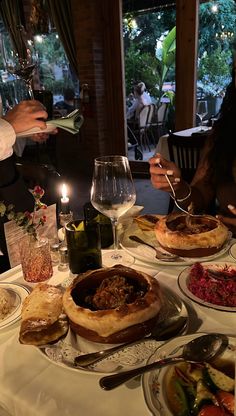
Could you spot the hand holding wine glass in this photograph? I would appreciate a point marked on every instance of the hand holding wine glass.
(112, 194)
(202, 111)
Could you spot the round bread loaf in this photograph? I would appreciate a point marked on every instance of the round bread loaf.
(113, 305)
(187, 236)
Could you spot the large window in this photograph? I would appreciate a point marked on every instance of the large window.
(149, 50)
(215, 52)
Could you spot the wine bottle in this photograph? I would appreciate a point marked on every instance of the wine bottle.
(91, 214)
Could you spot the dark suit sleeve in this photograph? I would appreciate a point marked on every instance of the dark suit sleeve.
(12, 191)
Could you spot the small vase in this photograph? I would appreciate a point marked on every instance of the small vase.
(35, 259)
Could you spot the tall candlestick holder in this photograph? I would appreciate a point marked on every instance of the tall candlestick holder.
(65, 217)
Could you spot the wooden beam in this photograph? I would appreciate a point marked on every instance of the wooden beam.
(186, 63)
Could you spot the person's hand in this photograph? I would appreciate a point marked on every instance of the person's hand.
(158, 173)
(230, 222)
(42, 137)
(232, 209)
(26, 115)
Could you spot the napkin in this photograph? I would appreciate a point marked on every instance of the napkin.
(127, 218)
(70, 123)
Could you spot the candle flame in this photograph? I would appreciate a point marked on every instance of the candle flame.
(64, 191)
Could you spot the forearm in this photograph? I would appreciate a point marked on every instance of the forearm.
(200, 198)
(7, 139)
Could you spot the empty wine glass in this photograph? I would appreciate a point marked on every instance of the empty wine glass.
(112, 194)
(202, 111)
(21, 62)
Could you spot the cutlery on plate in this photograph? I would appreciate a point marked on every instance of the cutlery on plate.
(167, 329)
(159, 254)
(203, 348)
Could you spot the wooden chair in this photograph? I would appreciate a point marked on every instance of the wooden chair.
(161, 118)
(185, 152)
(43, 175)
(143, 124)
(152, 124)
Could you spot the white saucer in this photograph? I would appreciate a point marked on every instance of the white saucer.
(232, 251)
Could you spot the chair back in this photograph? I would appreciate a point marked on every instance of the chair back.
(161, 113)
(151, 114)
(43, 175)
(185, 151)
(143, 117)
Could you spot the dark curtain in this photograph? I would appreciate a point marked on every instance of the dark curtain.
(10, 11)
(60, 11)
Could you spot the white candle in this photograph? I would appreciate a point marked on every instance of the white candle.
(64, 200)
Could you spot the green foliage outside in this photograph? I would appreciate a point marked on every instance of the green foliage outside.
(216, 45)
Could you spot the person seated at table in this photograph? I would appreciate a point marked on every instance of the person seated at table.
(141, 98)
(214, 183)
(13, 190)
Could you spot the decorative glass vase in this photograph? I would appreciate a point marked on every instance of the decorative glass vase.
(35, 259)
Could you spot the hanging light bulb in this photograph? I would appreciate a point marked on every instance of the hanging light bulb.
(214, 7)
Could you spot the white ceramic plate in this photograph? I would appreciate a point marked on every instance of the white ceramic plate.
(147, 254)
(154, 382)
(232, 251)
(36, 130)
(19, 293)
(131, 357)
(183, 285)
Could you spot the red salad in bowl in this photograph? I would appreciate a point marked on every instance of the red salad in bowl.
(215, 284)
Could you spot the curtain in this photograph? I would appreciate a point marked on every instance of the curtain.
(10, 11)
(60, 11)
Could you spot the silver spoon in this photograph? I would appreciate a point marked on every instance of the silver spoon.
(159, 254)
(170, 328)
(200, 349)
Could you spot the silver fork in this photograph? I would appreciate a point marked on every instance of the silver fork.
(159, 254)
(174, 195)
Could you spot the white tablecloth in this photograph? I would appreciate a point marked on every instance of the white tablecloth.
(30, 385)
(162, 145)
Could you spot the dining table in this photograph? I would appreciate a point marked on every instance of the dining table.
(32, 385)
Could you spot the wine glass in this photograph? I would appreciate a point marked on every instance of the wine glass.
(21, 63)
(112, 194)
(202, 111)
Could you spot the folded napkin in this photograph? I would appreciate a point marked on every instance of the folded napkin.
(127, 218)
(70, 123)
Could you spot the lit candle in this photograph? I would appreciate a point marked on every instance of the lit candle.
(64, 200)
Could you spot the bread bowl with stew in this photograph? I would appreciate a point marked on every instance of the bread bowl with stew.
(187, 236)
(113, 305)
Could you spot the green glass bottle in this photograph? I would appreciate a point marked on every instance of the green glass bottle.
(91, 214)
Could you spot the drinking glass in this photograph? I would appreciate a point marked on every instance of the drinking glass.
(21, 63)
(202, 111)
(112, 194)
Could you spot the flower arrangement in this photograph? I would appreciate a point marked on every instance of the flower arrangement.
(27, 220)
